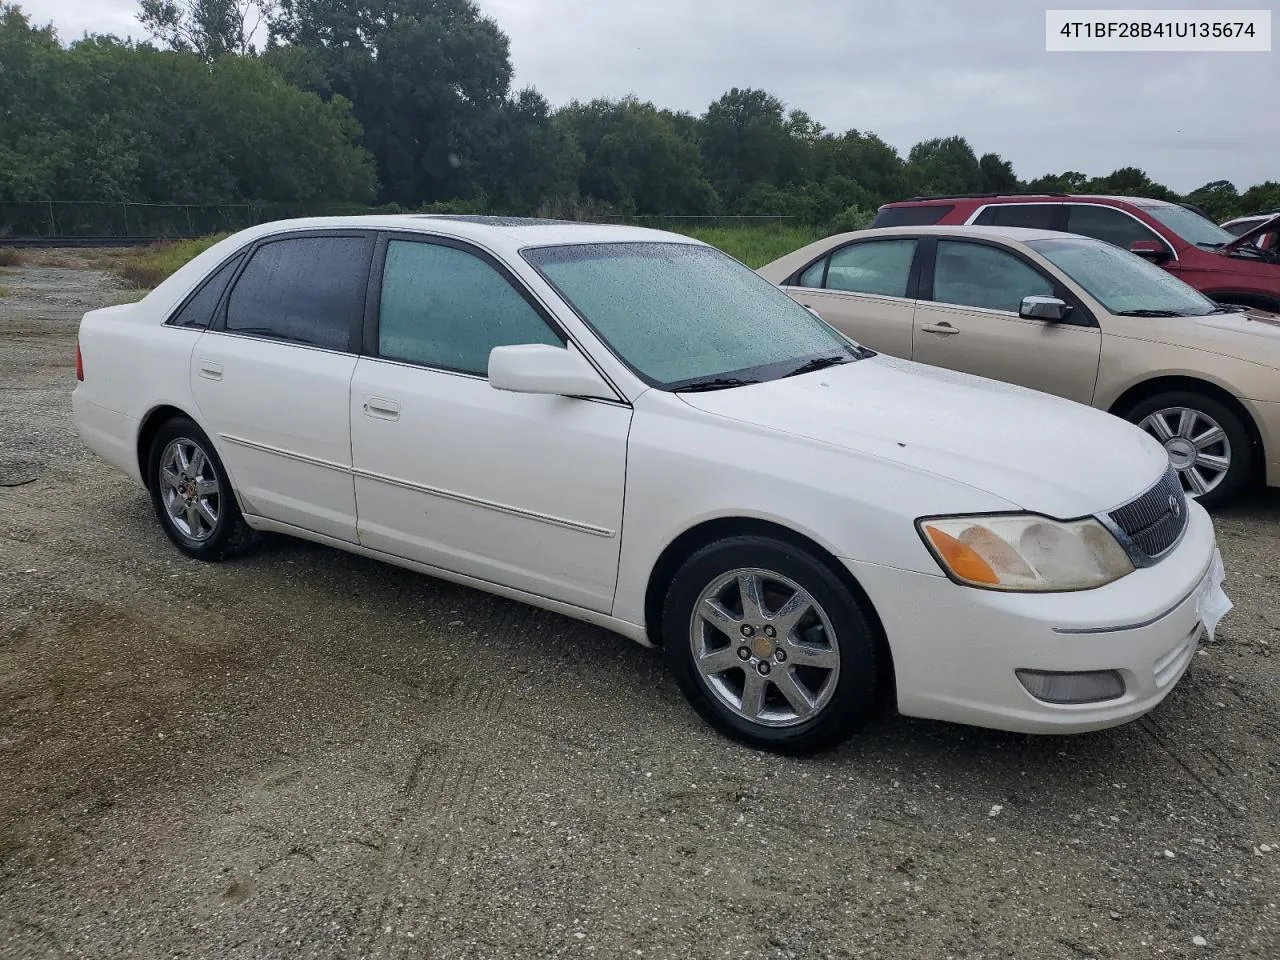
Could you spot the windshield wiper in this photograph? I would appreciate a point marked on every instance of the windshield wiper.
(715, 383)
(1227, 308)
(1148, 313)
(818, 363)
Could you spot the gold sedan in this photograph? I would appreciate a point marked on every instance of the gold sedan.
(1067, 315)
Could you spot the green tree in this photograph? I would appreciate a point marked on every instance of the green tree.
(747, 140)
(860, 168)
(1261, 198)
(424, 77)
(1218, 199)
(636, 157)
(531, 159)
(944, 165)
(996, 174)
(108, 120)
(1130, 182)
(1070, 182)
(211, 28)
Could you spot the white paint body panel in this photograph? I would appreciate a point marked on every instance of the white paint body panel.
(278, 413)
(514, 488)
(570, 503)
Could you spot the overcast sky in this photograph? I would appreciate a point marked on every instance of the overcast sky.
(906, 70)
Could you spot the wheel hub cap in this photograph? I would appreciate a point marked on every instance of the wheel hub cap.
(764, 648)
(1182, 452)
(1198, 447)
(190, 490)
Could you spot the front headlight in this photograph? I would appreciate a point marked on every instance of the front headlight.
(1025, 552)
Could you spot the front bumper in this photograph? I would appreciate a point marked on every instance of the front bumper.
(956, 649)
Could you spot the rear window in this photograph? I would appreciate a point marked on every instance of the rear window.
(198, 310)
(1036, 216)
(307, 290)
(921, 216)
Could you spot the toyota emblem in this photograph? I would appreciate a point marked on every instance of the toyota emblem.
(1175, 506)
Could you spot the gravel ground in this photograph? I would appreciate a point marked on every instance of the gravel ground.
(304, 753)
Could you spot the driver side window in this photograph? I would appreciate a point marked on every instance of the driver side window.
(976, 275)
(447, 308)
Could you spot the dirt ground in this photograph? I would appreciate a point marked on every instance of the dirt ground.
(307, 754)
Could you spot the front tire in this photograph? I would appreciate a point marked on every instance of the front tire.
(191, 493)
(770, 647)
(1207, 442)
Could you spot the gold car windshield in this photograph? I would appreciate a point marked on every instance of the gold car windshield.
(1123, 282)
(685, 316)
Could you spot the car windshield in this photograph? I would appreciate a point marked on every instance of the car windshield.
(686, 316)
(1121, 281)
(1190, 226)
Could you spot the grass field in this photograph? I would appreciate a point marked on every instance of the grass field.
(754, 246)
(156, 262)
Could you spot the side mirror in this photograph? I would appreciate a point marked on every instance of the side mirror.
(542, 368)
(1152, 250)
(1044, 308)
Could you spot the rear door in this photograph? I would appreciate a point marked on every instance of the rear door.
(967, 319)
(863, 289)
(271, 378)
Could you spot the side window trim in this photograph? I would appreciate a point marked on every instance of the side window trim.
(219, 323)
(1080, 316)
(243, 255)
(373, 302)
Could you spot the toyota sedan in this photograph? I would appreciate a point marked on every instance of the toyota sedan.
(631, 428)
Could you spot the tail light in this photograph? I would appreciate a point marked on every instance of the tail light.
(79, 363)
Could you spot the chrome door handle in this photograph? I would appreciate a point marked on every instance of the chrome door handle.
(382, 408)
(210, 370)
(944, 328)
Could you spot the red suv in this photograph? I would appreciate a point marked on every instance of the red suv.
(1225, 267)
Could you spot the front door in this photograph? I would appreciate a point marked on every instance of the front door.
(516, 489)
(971, 323)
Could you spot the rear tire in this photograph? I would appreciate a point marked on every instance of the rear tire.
(191, 493)
(1207, 442)
(770, 647)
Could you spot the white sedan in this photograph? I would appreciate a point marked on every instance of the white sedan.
(631, 428)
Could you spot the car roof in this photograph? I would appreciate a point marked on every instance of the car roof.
(508, 233)
(980, 199)
(1017, 234)
(785, 266)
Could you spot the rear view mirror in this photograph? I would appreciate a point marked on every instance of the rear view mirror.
(1044, 308)
(542, 368)
(1152, 250)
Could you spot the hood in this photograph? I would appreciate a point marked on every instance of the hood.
(1251, 335)
(1038, 452)
(1271, 223)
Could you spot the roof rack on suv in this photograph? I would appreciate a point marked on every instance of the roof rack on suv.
(979, 196)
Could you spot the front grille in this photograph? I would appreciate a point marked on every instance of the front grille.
(1155, 521)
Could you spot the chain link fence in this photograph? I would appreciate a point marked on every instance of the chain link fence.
(128, 222)
(141, 222)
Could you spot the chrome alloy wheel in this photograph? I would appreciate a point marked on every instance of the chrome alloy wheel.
(1197, 446)
(764, 647)
(190, 489)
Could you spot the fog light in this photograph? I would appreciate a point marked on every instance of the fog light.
(1091, 687)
